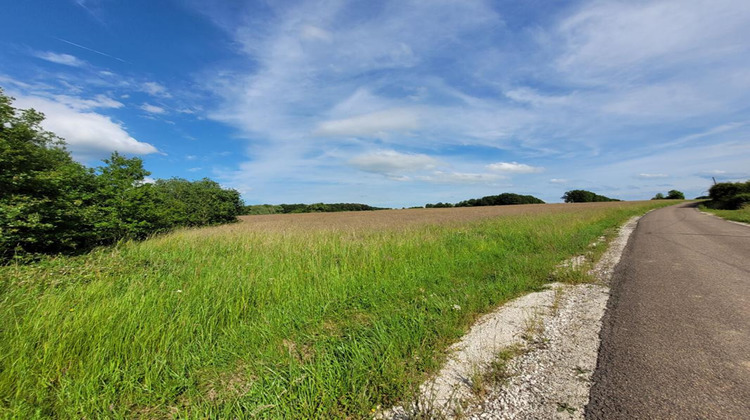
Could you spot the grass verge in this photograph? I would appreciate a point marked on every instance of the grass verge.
(283, 322)
(741, 215)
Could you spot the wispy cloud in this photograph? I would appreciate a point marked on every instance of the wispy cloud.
(153, 109)
(155, 89)
(514, 168)
(58, 58)
(390, 162)
(376, 124)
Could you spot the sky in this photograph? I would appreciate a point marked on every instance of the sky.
(394, 103)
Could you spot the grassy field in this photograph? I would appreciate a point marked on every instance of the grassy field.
(741, 215)
(280, 316)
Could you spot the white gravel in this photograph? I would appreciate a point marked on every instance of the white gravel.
(551, 379)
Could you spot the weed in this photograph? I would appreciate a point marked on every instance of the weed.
(565, 407)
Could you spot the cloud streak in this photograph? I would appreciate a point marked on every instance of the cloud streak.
(58, 58)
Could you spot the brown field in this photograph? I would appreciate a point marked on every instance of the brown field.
(394, 219)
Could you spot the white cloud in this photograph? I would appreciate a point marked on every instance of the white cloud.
(81, 104)
(64, 59)
(88, 134)
(314, 33)
(153, 109)
(533, 97)
(440, 177)
(619, 36)
(514, 168)
(392, 162)
(374, 124)
(155, 89)
(652, 176)
(558, 181)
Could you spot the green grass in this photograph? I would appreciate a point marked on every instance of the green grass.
(242, 323)
(741, 215)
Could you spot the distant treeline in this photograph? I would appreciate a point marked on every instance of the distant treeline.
(503, 199)
(50, 203)
(671, 195)
(583, 196)
(306, 208)
(729, 195)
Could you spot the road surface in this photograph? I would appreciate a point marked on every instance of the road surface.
(676, 334)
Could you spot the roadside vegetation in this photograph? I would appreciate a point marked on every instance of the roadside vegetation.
(327, 315)
(730, 200)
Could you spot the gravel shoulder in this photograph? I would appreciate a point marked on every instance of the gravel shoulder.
(555, 337)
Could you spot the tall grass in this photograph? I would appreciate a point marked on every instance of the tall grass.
(741, 215)
(269, 323)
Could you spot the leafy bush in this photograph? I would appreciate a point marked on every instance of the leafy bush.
(583, 196)
(729, 195)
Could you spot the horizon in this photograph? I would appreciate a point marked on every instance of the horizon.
(395, 104)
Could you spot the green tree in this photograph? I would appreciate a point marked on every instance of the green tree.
(583, 196)
(46, 198)
(198, 203)
(658, 196)
(675, 195)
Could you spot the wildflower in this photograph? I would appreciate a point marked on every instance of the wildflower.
(456, 307)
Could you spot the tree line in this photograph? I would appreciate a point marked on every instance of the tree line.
(50, 203)
(503, 199)
(306, 208)
(583, 196)
(671, 195)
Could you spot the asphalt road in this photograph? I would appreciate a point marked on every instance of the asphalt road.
(676, 334)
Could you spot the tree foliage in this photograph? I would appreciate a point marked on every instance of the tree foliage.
(49, 203)
(503, 199)
(671, 195)
(306, 208)
(730, 195)
(583, 196)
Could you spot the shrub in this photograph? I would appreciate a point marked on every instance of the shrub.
(729, 195)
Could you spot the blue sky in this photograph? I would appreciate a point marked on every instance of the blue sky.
(394, 103)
